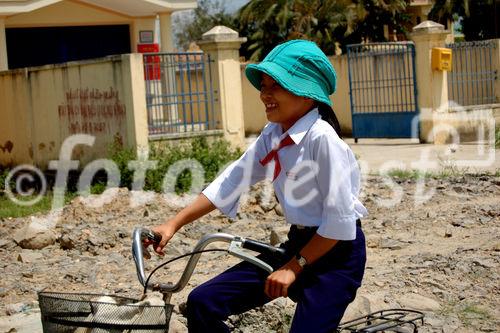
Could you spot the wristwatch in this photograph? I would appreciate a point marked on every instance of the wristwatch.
(301, 260)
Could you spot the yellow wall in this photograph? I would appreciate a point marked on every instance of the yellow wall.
(340, 99)
(41, 107)
(253, 110)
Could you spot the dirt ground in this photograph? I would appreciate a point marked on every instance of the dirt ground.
(433, 247)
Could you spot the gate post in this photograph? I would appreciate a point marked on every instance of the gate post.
(432, 85)
(222, 45)
(3, 46)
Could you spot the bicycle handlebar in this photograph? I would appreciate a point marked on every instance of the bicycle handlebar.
(236, 244)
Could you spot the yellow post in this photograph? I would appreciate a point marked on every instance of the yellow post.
(432, 84)
(135, 101)
(223, 44)
(4, 65)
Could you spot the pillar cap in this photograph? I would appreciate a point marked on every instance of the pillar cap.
(221, 33)
(428, 26)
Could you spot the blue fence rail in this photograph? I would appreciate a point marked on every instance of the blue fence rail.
(472, 78)
(179, 94)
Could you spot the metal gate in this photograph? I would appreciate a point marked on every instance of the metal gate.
(472, 79)
(179, 94)
(383, 90)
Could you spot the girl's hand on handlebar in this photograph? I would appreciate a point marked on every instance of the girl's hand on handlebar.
(279, 281)
(166, 231)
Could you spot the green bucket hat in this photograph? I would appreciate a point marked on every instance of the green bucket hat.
(300, 67)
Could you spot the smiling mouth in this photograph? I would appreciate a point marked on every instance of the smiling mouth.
(271, 106)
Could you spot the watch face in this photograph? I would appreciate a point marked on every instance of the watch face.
(302, 261)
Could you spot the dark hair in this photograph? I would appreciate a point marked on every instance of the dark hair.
(327, 114)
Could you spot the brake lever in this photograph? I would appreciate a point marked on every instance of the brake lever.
(235, 248)
(152, 236)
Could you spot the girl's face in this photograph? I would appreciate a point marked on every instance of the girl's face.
(282, 106)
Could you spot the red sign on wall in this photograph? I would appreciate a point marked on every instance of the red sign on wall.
(152, 69)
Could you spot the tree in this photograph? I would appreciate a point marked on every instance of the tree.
(326, 22)
(374, 15)
(190, 26)
(479, 17)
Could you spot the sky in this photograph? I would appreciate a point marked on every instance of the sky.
(230, 5)
(234, 5)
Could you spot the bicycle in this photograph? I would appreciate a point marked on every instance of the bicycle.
(94, 313)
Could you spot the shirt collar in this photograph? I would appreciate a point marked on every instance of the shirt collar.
(298, 130)
(301, 126)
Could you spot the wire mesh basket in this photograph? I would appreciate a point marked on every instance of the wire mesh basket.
(98, 313)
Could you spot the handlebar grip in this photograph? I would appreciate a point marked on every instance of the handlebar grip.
(153, 236)
(261, 247)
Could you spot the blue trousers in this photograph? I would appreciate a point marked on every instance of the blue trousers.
(322, 291)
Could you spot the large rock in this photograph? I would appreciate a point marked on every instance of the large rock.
(27, 256)
(418, 302)
(365, 303)
(176, 325)
(35, 236)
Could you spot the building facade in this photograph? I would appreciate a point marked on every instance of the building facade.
(40, 32)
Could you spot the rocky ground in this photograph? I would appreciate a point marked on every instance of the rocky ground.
(432, 247)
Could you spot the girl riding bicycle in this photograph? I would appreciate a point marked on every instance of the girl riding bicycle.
(316, 180)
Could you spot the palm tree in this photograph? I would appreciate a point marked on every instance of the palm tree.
(326, 22)
(267, 23)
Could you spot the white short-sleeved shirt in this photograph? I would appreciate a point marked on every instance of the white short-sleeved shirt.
(318, 184)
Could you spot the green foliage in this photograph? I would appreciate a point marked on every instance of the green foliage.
(98, 187)
(407, 174)
(122, 156)
(190, 26)
(3, 176)
(267, 23)
(478, 17)
(212, 157)
(466, 312)
(8, 208)
(447, 171)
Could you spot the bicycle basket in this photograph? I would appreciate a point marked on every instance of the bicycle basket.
(97, 313)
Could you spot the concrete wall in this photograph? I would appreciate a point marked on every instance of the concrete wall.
(254, 111)
(40, 107)
(467, 124)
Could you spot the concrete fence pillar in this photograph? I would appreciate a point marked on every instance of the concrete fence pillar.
(432, 85)
(223, 44)
(135, 101)
(3, 46)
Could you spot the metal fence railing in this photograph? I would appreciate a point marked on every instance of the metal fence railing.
(179, 94)
(472, 78)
